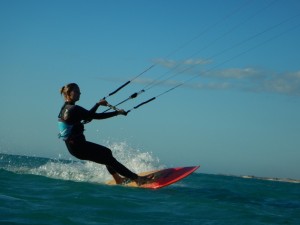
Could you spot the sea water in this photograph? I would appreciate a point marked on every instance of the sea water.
(37, 190)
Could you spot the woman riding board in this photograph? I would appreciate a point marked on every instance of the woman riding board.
(71, 131)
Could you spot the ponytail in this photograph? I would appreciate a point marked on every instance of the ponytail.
(62, 90)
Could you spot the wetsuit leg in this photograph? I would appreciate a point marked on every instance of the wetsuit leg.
(97, 153)
(110, 170)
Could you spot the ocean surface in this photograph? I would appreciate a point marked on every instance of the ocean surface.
(40, 191)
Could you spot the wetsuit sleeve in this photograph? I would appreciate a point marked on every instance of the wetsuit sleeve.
(94, 109)
(79, 113)
(99, 116)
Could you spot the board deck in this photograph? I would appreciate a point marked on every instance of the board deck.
(161, 178)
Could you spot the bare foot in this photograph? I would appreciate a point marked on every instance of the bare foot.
(118, 178)
(144, 179)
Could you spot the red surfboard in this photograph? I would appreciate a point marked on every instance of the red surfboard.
(162, 178)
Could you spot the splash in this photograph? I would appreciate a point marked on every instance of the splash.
(135, 159)
(81, 171)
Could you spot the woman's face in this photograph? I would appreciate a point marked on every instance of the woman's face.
(74, 95)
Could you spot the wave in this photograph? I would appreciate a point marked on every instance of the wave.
(276, 179)
(80, 171)
(289, 180)
(85, 171)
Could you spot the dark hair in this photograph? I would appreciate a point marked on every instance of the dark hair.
(66, 90)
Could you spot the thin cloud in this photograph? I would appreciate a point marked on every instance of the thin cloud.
(253, 80)
(242, 79)
(238, 73)
(285, 83)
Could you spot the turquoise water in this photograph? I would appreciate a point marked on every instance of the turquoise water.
(44, 191)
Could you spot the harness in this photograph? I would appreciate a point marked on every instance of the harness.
(65, 130)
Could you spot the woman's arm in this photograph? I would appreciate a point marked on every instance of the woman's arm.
(94, 109)
(96, 106)
(100, 116)
(87, 115)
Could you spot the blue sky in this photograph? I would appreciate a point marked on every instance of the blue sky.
(236, 110)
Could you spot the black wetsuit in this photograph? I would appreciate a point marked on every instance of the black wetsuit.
(80, 148)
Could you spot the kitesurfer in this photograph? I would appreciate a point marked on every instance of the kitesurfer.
(71, 131)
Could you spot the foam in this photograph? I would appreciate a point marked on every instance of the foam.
(85, 171)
